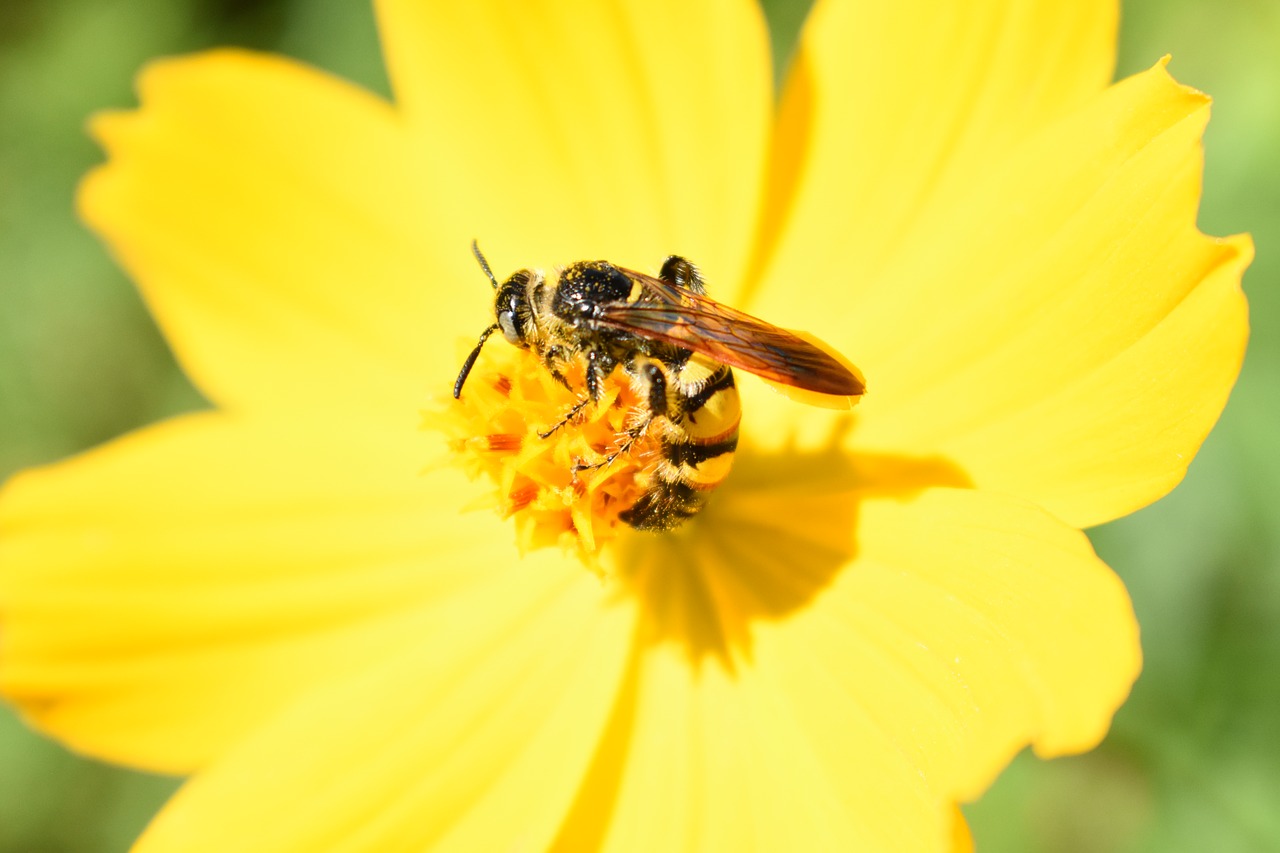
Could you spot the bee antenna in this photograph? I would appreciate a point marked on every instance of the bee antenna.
(471, 360)
(484, 265)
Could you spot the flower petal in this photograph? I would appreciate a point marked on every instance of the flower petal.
(1062, 332)
(998, 611)
(163, 594)
(476, 738)
(274, 220)
(1121, 435)
(890, 108)
(966, 626)
(628, 129)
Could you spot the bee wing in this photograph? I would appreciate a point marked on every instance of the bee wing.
(792, 361)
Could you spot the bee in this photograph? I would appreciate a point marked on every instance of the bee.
(678, 347)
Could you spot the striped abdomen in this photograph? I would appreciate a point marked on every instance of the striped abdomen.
(694, 411)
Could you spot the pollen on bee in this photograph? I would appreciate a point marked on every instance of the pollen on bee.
(561, 480)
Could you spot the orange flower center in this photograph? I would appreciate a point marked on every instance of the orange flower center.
(558, 474)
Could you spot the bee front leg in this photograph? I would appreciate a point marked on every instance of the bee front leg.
(596, 373)
(552, 359)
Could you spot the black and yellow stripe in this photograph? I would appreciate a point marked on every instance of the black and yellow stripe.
(694, 407)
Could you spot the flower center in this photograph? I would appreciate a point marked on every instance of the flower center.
(561, 469)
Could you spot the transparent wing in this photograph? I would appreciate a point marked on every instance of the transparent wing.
(676, 315)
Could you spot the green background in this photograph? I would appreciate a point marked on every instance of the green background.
(1193, 761)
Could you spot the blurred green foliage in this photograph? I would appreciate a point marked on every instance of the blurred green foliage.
(1193, 761)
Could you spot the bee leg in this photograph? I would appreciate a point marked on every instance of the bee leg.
(595, 374)
(682, 273)
(633, 435)
(578, 407)
(599, 365)
(657, 405)
(559, 377)
(551, 359)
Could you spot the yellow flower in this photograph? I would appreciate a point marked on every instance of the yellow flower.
(875, 611)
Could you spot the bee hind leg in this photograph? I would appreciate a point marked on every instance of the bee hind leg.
(682, 273)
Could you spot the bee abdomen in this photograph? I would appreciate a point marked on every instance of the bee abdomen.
(697, 412)
(664, 506)
(689, 457)
(681, 482)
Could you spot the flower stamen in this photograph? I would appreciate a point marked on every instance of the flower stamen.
(562, 469)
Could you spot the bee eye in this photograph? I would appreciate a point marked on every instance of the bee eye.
(507, 322)
(512, 312)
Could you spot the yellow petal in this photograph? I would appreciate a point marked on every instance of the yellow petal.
(1062, 331)
(965, 626)
(163, 594)
(1121, 435)
(476, 738)
(961, 837)
(275, 221)
(891, 107)
(888, 109)
(628, 130)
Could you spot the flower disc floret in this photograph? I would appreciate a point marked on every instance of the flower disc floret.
(561, 478)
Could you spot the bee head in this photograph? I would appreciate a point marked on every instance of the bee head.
(512, 309)
(512, 313)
